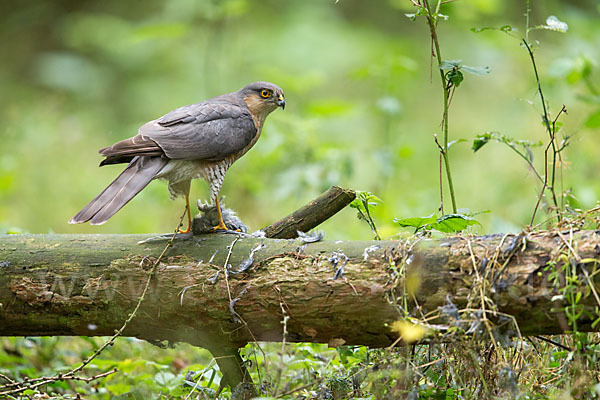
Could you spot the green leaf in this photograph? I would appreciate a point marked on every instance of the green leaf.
(452, 223)
(560, 354)
(449, 223)
(413, 16)
(344, 352)
(476, 70)
(364, 198)
(480, 141)
(456, 77)
(456, 141)
(167, 379)
(416, 222)
(363, 202)
(553, 364)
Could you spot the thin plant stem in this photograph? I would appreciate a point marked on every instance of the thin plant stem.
(371, 222)
(544, 185)
(557, 153)
(441, 176)
(552, 143)
(441, 188)
(524, 157)
(527, 11)
(431, 21)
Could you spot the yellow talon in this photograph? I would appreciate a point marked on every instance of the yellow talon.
(221, 225)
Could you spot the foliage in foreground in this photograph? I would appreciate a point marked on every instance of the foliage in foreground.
(526, 369)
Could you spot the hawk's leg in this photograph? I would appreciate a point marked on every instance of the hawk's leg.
(189, 214)
(221, 225)
(182, 188)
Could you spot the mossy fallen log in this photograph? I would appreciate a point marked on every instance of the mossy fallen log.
(337, 292)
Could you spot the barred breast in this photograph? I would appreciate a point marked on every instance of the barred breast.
(179, 173)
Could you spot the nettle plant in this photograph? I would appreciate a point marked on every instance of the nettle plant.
(452, 74)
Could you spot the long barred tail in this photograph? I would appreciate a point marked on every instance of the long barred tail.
(139, 172)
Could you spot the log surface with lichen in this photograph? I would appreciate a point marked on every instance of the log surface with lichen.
(87, 285)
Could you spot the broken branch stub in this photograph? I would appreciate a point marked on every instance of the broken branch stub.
(311, 215)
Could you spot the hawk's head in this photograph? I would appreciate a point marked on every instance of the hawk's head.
(262, 98)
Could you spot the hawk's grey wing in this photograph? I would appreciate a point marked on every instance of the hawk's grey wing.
(211, 130)
(207, 131)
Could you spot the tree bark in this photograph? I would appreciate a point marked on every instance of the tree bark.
(87, 285)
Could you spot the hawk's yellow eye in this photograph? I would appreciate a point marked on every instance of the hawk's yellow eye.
(264, 93)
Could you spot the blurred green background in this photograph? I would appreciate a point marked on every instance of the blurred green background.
(363, 105)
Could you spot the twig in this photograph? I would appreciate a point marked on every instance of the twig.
(27, 385)
(201, 375)
(511, 252)
(226, 269)
(10, 381)
(284, 336)
(552, 342)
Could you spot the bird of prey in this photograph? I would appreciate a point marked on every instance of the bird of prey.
(197, 141)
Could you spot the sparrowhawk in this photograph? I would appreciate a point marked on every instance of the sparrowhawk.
(197, 141)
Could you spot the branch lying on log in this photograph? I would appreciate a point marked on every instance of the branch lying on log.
(87, 284)
(304, 219)
(311, 215)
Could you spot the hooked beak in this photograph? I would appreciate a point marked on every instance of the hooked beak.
(281, 102)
